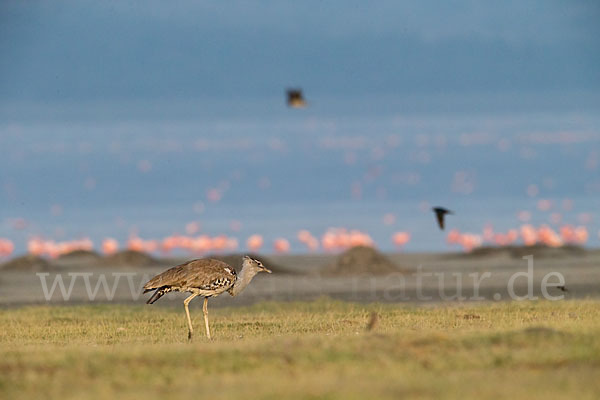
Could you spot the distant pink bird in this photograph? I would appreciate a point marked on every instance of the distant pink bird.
(110, 246)
(6, 247)
(254, 242)
(281, 245)
(401, 238)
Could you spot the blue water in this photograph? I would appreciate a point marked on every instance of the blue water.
(278, 171)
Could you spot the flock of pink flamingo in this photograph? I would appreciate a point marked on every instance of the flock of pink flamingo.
(527, 233)
(332, 240)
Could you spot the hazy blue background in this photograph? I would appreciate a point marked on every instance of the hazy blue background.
(121, 115)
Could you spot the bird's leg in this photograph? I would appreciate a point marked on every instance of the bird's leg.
(187, 312)
(205, 310)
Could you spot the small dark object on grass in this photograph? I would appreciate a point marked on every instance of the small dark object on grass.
(373, 320)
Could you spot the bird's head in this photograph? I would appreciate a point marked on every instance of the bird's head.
(255, 264)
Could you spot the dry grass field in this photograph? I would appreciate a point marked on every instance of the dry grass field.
(321, 349)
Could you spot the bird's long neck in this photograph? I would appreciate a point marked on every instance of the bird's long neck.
(243, 279)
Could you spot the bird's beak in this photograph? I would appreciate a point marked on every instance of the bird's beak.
(267, 270)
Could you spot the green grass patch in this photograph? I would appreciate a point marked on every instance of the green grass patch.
(533, 350)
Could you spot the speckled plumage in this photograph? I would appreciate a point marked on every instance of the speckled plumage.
(206, 277)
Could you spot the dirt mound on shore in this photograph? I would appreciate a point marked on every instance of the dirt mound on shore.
(235, 260)
(130, 258)
(27, 262)
(360, 260)
(538, 251)
(80, 256)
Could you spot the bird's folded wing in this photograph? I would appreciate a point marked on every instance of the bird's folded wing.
(196, 273)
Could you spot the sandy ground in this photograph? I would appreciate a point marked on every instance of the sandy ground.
(426, 278)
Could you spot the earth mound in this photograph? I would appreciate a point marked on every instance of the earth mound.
(130, 258)
(80, 255)
(360, 260)
(27, 262)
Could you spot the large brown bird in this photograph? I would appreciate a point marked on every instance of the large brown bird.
(440, 213)
(295, 99)
(204, 277)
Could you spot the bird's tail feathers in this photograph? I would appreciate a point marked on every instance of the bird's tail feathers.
(157, 295)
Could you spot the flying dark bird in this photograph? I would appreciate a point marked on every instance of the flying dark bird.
(440, 213)
(204, 277)
(295, 98)
(562, 288)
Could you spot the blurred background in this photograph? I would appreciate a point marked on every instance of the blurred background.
(163, 127)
